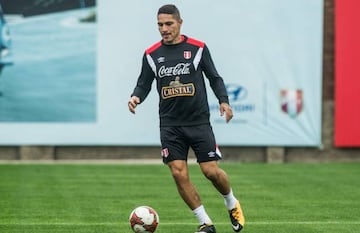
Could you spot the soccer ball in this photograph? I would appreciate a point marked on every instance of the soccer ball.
(144, 219)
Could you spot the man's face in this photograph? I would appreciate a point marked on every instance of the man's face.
(169, 28)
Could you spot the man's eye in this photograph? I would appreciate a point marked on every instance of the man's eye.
(168, 23)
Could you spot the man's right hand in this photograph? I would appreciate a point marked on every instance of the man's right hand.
(133, 102)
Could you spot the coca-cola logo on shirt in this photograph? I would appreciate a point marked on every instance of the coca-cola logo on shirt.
(179, 69)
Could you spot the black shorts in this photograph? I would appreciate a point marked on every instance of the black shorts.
(176, 141)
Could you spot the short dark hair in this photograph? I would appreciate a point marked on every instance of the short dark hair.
(170, 9)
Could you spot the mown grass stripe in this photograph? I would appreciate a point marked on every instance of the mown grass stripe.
(185, 223)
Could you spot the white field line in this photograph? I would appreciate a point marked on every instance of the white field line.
(186, 223)
(89, 161)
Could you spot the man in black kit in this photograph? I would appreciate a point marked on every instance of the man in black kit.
(178, 63)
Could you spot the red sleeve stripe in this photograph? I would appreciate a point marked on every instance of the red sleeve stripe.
(153, 48)
(195, 42)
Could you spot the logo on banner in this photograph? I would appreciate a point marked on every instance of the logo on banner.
(236, 92)
(292, 101)
(187, 54)
(239, 102)
(238, 98)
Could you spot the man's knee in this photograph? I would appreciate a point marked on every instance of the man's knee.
(178, 170)
(211, 171)
(212, 175)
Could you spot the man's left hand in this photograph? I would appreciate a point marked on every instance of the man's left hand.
(225, 108)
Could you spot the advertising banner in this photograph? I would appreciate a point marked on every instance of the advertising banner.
(347, 73)
(269, 53)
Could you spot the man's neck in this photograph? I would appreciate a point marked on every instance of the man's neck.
(178, 40)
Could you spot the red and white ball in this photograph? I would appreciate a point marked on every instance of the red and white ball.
(144, 219)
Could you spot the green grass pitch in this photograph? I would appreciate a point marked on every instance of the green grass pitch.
(89, 198)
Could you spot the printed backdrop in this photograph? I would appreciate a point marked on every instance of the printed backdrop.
(269, 53)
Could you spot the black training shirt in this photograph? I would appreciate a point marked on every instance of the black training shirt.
(178, 70)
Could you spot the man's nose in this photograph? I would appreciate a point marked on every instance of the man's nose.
(163, 28)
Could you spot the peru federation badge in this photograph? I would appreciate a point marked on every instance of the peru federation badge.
(187, 54)
(292, 101)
